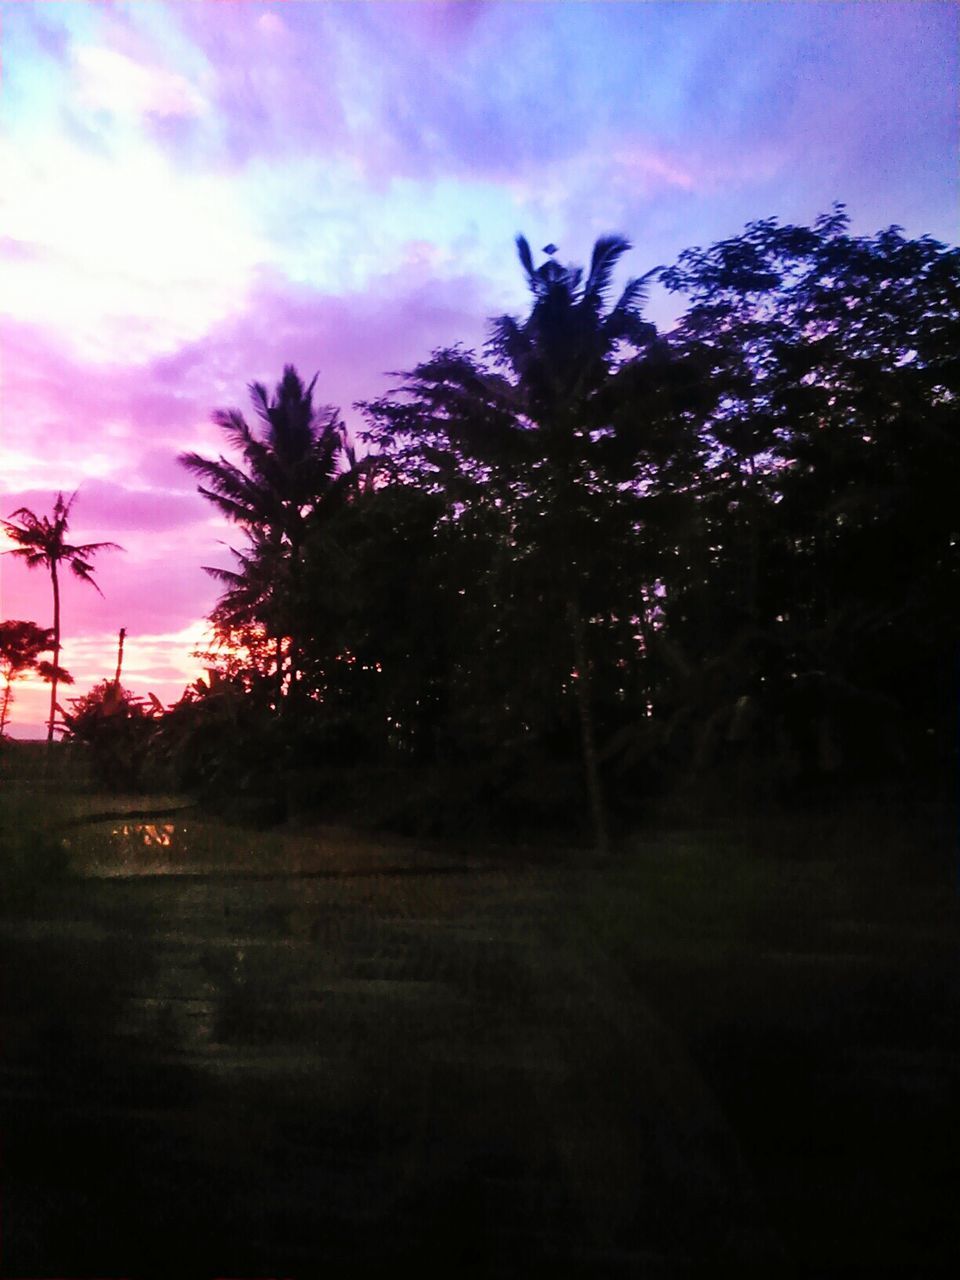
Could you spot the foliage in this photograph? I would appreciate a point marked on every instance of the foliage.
(729, 550)
(116, 727)
(221, 740)
(21, 644)
(41, 543)
(826, 560)
(527, 441)
(292, 476)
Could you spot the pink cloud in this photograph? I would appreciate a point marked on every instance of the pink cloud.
(273, 80)
(353, 341)
(103, 504)
(114, 431)
(14, 250)
(64, 419)
(106, 80)
(152, 585)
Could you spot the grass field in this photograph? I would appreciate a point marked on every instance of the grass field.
(240, 1053)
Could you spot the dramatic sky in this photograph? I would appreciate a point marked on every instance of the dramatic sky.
(195, 193)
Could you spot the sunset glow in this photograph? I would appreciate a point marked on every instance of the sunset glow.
(197, 194)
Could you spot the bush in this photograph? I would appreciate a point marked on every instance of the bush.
(117, 729)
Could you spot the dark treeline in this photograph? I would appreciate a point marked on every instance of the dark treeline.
(596, 564)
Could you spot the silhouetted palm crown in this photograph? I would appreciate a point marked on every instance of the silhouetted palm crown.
(41, 541)
(291, 468)
(557, 371)
(562, 353)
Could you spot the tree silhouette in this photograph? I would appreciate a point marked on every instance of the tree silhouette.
(823, 582)
(532, 435)
(41, 543)
(291, 477)
(21, 644)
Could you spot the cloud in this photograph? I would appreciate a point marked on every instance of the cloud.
(106, 80)
(144, 587)
(273, 84)
(354, 340)
(196, 195)
(114, 431)
(65, 420)
(161, 663)
(130, 256)
(19, 250)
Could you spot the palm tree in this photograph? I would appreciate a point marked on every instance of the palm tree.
(41, 541)
(562, 355)
(542, 428)
(255, 595)
(291, 477)
(562, 360)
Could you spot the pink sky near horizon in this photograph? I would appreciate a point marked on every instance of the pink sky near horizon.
(197, 194)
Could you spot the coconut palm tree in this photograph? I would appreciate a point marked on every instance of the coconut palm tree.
(292, 476)
(541, 427)
(561, 360)
(562, 354)
(42, 543)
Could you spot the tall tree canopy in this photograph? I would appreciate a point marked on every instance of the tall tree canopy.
(290, 479)
(525, 436)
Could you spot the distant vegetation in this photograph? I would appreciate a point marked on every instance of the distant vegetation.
(21, 644)
(595, 564)
(41, 542)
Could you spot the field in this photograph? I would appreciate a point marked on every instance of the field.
(240, 1053)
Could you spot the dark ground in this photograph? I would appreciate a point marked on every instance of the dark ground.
(720, 1053)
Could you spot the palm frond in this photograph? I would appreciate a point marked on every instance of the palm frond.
(508, 341)
(91, 548)
(636, 293)
(261, 400)
(27, 517)
(526, 260)
(228, 576)
(234, 426)
(607, 252)
(80, 569)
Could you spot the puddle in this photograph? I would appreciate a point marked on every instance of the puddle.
(135, 849)
(161, 835)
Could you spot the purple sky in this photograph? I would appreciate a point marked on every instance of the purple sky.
(195, 194)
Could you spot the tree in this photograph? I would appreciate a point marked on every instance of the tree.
(21, 644)
(827, 555)
(536, 436)
(291, 477)
(41, 542)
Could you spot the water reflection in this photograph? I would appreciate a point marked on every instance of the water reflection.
(148, 833)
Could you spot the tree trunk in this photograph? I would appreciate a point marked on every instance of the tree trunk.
(56, 649)
(291, 704)
(122, 637)
(588, 740)
(7, 694)
(279, 674)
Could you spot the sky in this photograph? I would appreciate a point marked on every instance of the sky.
(196, 193)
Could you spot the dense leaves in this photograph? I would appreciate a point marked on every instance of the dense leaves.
(21, 644)
(116, 728)
(292, 477)
(594, 561)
